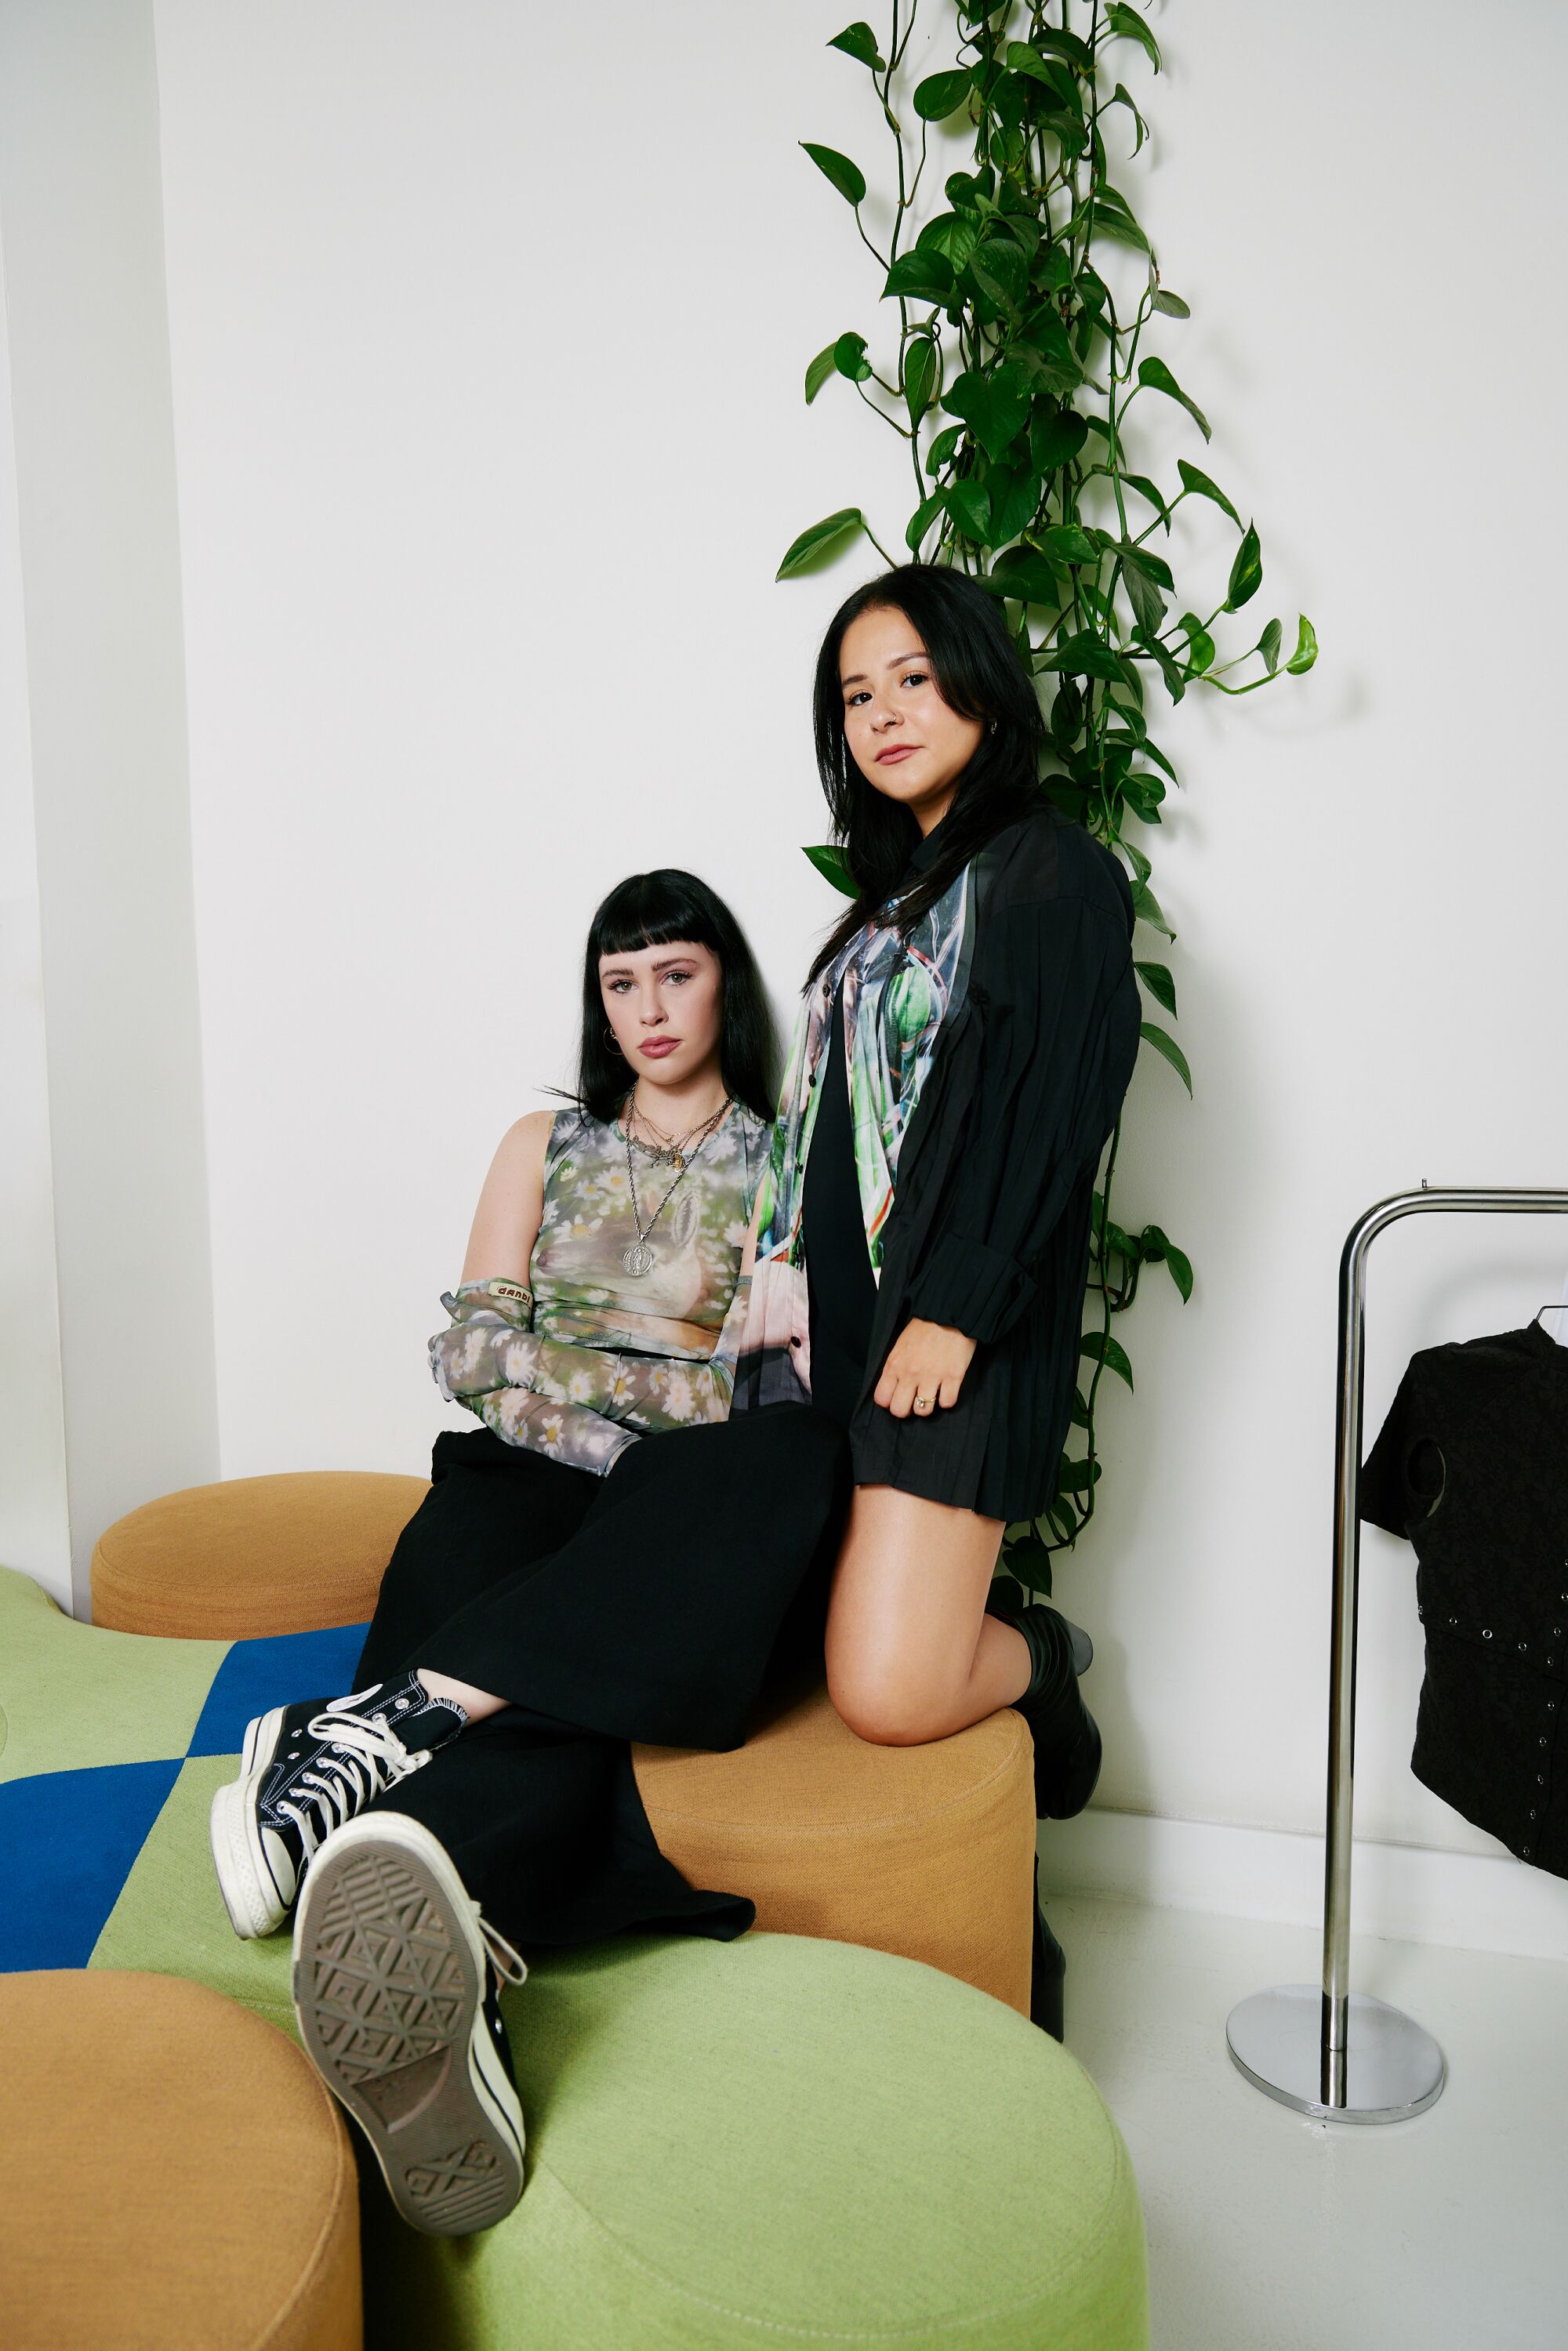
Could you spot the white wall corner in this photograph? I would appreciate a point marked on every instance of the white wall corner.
(96, 544)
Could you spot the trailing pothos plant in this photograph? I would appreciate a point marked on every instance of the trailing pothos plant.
(1013, 378)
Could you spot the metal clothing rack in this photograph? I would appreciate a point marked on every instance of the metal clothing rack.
(1338, 2055)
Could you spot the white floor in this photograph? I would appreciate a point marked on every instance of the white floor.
(1270, 2232)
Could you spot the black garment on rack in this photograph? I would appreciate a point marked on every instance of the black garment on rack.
(842, 1285)
(651, 1603)
(1473, 1466)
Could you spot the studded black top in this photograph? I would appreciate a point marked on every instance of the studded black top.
(1473, 1466)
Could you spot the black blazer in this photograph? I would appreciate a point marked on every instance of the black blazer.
(988, 1231)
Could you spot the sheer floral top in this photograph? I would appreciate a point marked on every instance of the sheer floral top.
(587, 1357)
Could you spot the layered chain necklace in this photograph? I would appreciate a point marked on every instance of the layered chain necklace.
(637, 1256)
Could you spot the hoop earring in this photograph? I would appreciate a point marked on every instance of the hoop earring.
(614, 1042)
(992, 728)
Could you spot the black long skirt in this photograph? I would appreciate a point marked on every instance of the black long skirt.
(651, 1604)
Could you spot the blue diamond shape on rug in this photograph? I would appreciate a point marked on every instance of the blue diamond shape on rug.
(71, 1840)
(278, 1671)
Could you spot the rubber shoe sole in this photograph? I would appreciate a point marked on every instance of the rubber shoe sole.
(261, 1737)
(252, 1897)
(389, 1974)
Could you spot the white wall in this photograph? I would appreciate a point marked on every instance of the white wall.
(1364, 869)
(34, 1518)
(96, 553)
(487, 327)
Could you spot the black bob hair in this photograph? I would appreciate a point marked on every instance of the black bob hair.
(981, 674)
(652, 909)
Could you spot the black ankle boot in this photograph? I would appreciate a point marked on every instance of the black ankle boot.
(1067, 1747)
(1048, 1972)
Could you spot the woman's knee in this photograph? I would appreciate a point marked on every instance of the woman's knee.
(882, 1705)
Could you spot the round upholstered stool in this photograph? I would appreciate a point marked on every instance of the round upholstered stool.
(922, 1851)
(927, 1851)
(782, 2141)
(173, 2176)
(253, 1555)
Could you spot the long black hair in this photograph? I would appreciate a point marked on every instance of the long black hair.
(979, 674)
(650, 910)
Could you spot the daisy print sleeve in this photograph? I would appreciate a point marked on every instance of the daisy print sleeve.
(618, 1332)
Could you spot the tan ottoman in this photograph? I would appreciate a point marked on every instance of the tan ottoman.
(253, 1555)
(173, 2176)
(925, 1850)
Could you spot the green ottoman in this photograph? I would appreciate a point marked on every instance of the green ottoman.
(780, 2140)
(777, 2140)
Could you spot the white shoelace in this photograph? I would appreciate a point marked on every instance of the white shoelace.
(507, 1962)
(363, 1758)
(368, 1758)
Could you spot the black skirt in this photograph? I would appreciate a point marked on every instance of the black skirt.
(653, 1603)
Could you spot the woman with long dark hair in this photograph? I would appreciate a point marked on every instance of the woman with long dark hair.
(966, 1038)
(568, 1584)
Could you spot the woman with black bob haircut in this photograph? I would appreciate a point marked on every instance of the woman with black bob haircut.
(967, 1035)
(669, 908)
(568, 1584)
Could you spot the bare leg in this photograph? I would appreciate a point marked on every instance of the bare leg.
(911, 1653)
(476, 1703)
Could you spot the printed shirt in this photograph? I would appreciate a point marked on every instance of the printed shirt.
(896, 994)
(587, 1357)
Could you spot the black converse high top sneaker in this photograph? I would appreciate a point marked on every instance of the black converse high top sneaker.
(304, 1770)
(396, 1985)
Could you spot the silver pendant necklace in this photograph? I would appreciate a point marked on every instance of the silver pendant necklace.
(637, 1256)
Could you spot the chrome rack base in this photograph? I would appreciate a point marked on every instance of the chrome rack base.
(1393, 2069)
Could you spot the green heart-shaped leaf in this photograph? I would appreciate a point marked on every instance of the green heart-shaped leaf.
(824, 538)
(1199, 643)
(1158, 378)
(830, 863)
(921, 275)
(1246, 572)
(858, 41)
(921, 521)
(970, 507)
(954, 234)
(1085, 655)
(940, 95)
(1101, 1348)
(1200, 487)
(1157, 979)
(817, 374)
(1055, 440)
(993, 406)
(1306, 650)
(1167, 1045)
(1122, 23)
(1001, 271)
(1022, 573)
(847, 177)
(849, 359)
(919, 375)
(1069, 544)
